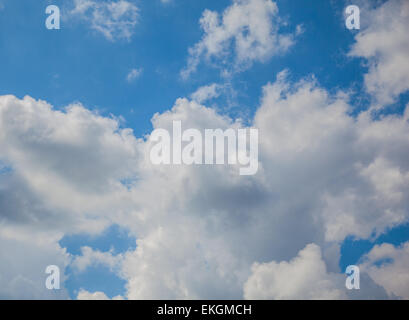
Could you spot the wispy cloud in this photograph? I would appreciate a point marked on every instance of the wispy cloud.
(134, 74)
(207, 92)
(114, 19)
(90, 257)
(247, 31)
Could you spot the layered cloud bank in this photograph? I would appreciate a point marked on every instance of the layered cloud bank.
(325, 173)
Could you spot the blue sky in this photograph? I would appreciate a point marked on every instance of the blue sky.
(79, 64)
(43, 63)
(99, 277)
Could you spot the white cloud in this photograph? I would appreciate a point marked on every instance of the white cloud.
(384, 42)
(134, 74)
(114, 19)
(304, 277)
(307, 137)
(323, 175)
(68, 159)
(98, 295)
(90, 257)
(211, 225)
(207, 92)
(22, 247)
(60, 181)
(305, 134)
(250, 28)
(388, 266)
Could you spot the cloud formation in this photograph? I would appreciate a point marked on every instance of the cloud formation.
(388, 267)
(206, 93)
(98, 295)
(247, 31)
(384, 43)
(205, 231)
(134, 74)
(304, 277)
(210, 227)
(90, 257)
(113, 19)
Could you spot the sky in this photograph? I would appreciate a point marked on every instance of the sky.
(77, 189)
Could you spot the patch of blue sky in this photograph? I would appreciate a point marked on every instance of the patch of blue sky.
(79, 64)
(352, 250)
(5, 169)
(97, 277)
(94, 278)
(114, 237)
(129, 182)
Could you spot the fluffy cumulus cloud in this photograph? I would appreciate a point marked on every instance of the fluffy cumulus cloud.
(214, 233)
(60, 166)
(212, 225)
(304, 277)
(384, 42)
(98, 295)
(356, 198)
(388, 266)
(245, 32)
(69, 158)
(24, 255)
(113, 19)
